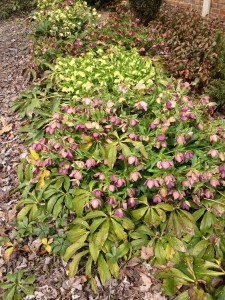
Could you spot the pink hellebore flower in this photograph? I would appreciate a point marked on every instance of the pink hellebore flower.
(151, 183)
(76, 174)
(132, 136)
(165, 164)
(179, 157)
(90, 163)
(57, 116)
(101, 176)
(156, 199)
(120, 182)
(214, 182)
(131, 202)
(134, 176)
(185, 206)
(213, 152)
(95, 203)
(141, 105)
(119, 213)
(134, 122)
(63, 171)
(112, 201)
(132, 160)
(132, 192)
(180, 139)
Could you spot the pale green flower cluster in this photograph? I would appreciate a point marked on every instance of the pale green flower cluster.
(65, 18)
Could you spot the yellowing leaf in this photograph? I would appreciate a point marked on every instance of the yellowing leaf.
(33, 155)
(8, 253)
(44, 241)
(42, 175)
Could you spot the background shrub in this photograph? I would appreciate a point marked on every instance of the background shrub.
(145, 10)
(192, 43)
(216, 88)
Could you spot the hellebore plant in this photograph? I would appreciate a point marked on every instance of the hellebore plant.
(130, 157)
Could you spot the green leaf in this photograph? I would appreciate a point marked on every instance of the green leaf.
(81, 197)
(8, 295)
(58, 207)
(76, 234)
(24, 211)
(102, 235)
(20, 171)
(73, 248)
(169, 285)
(114, 268)
(111, 154)
(118, 230)
(94, 214)
(95, 224)
(73, 266)
(127, 223)
(141, 147)
(200, 247)
(221, 295)
(183, 296)
(125, 150)
(177, 244)
(139, 213)
(94, 251)
(103, 269)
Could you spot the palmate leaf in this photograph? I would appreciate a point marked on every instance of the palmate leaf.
(111, 153)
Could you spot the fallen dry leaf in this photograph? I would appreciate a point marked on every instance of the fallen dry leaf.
(147, 252)
(146, 282)
(5, 127)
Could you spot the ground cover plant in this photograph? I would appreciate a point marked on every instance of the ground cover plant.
(123, 162)
(124, 159)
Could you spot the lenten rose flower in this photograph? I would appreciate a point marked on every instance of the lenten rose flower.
(142, 105)
(95, 203)
(90, 162)
(134, 176)
(132, 160)
(119, 213)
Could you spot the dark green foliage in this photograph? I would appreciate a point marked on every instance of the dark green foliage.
(217, 85)
(145, 10)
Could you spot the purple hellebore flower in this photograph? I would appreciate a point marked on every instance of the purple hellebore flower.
(209, 194)
(185, 206)
(142, 105)
(131, 202)
(119, 213)
(50, 130)
(63, 171)
(213, 152)
(214, 182)
(179, 157)
(120, 182)
(97, 193)
(180, 139)
(156, 199)
(161, 137)
(112, 201)
(188, 155)
(132, 192)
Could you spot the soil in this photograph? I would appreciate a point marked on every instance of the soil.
(137, 279)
